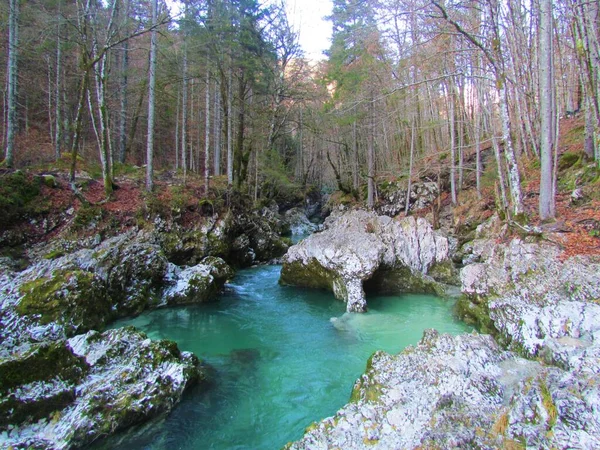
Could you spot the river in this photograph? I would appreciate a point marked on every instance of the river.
(280, 360)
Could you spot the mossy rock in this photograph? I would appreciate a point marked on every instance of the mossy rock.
(136, 273)
(445, 272)
(311, 275)
(475, 311)
(19, 197)
(218, 268)
(75, 299)
(402, 280)
(45, 363)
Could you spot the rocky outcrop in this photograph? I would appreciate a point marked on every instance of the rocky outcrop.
(241, 238)
(359, 246)
(392, 199)
(538, 388)
(298, 223)
(461, 392)
(62, 383)
(70, 393)
(534, 301)
(196, 284)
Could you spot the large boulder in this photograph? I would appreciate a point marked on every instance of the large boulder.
(461, 392)
(90, 386)
(535, 301)
(298, 223)
(358, 246)
(196, 284)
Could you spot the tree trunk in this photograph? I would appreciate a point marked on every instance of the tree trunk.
(123, 94)
(410, 166)
(229, 130)
(207, 131)
(371, 156)
(151, 93)
(547, 110)
(13, 44)
(58, 136)
(514, 178)
(451, 119)
(217, 131)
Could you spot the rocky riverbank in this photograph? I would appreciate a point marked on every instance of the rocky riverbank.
(532, 383)
(65, 383)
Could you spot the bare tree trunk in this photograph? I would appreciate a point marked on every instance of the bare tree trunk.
(123, 91)
(184, 103)
(355, 180)
(57, 93)
(217, 131)
(371, 156)
(13, 44)
(207, 131)
(514, 178)
(501, 182)
(588, 145)
(451, 119)
(546, 199)
(151, 93)
(410, 166)
(177, 131)
(229, 129)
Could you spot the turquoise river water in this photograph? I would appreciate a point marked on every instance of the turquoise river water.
(281, 361)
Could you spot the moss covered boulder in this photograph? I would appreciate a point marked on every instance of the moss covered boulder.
(197, 284)
(38, 382)
(75, 299)
(128, 379)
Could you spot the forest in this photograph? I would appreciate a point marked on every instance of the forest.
(221, 91)
(209, 239)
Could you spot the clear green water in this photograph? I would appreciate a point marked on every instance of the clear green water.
(280, 362)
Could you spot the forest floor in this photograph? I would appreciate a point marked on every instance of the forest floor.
(576, 229)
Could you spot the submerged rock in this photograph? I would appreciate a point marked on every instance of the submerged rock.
(108, 381)
(359, 246)
(461, 392)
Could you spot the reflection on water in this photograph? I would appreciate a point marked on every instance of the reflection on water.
(283, 357)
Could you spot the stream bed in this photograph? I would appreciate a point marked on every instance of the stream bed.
(281, 361)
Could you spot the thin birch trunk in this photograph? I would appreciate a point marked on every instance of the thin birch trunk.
(58, 106)
(229, 131)
(410, 166)
(151, 93)
(13, 45)
(207, 131)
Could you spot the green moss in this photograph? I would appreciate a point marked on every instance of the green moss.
(75, 299)
(402, 280)
(365, 388)
(311, 275)
(569, 159)
(87, 216)
(19, 198)
(53, 254)
(46, 362)
(445, 272)
(475, 311)
(548, 403)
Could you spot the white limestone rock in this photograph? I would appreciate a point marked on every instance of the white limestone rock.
(357, 244)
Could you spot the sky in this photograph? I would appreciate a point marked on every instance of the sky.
(307, 17)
